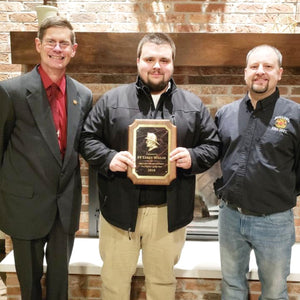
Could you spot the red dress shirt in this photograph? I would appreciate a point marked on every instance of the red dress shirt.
(59, 114)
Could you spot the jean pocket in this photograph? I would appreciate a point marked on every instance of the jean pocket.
(282, 218)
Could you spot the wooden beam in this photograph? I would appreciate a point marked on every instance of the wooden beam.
(193, 49)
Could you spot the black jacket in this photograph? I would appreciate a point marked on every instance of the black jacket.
(106, 132)
(260, 154)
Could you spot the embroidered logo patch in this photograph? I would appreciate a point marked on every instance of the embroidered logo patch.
(280, 123)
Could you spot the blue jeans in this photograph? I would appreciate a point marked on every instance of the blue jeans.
(271, 237)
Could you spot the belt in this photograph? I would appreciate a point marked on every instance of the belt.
(244, 211)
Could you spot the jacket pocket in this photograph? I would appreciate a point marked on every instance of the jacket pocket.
(16, 188)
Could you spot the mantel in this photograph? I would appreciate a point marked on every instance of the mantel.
(193, 49)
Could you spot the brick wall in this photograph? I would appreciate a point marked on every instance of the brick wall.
(88, 287)
(260, 16)
(216, 86)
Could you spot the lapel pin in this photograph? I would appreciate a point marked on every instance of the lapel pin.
(75, 102)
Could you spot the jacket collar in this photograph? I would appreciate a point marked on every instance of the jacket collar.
(263, 104)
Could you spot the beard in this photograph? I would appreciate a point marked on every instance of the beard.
(258, 89)
(156, 86)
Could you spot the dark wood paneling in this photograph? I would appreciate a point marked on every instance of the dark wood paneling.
(193, 49)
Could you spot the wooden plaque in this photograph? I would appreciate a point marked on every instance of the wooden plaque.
(150, 141)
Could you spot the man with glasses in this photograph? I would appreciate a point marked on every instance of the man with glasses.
(41, 116)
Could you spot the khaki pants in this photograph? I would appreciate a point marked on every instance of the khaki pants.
(120, 251)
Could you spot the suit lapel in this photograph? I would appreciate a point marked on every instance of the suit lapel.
(73, 110)
(40, 108)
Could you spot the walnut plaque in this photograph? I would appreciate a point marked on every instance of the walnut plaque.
(150, 141)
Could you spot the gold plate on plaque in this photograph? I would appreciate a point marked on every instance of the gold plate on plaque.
(150, 141)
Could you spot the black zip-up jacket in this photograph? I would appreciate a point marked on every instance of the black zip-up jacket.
(260, 154)
(106, 132)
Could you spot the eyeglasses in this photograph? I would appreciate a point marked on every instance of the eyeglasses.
(52, 44)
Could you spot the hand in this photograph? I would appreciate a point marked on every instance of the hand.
(182, 158)
(121, 161)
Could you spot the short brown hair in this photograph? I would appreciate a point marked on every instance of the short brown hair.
(157, 38)
(277, 52)
(55, 22)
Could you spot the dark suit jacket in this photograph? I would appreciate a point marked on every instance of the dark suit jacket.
(35, 183)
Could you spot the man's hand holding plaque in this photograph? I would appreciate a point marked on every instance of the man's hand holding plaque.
(121, 161)
(182, 158)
